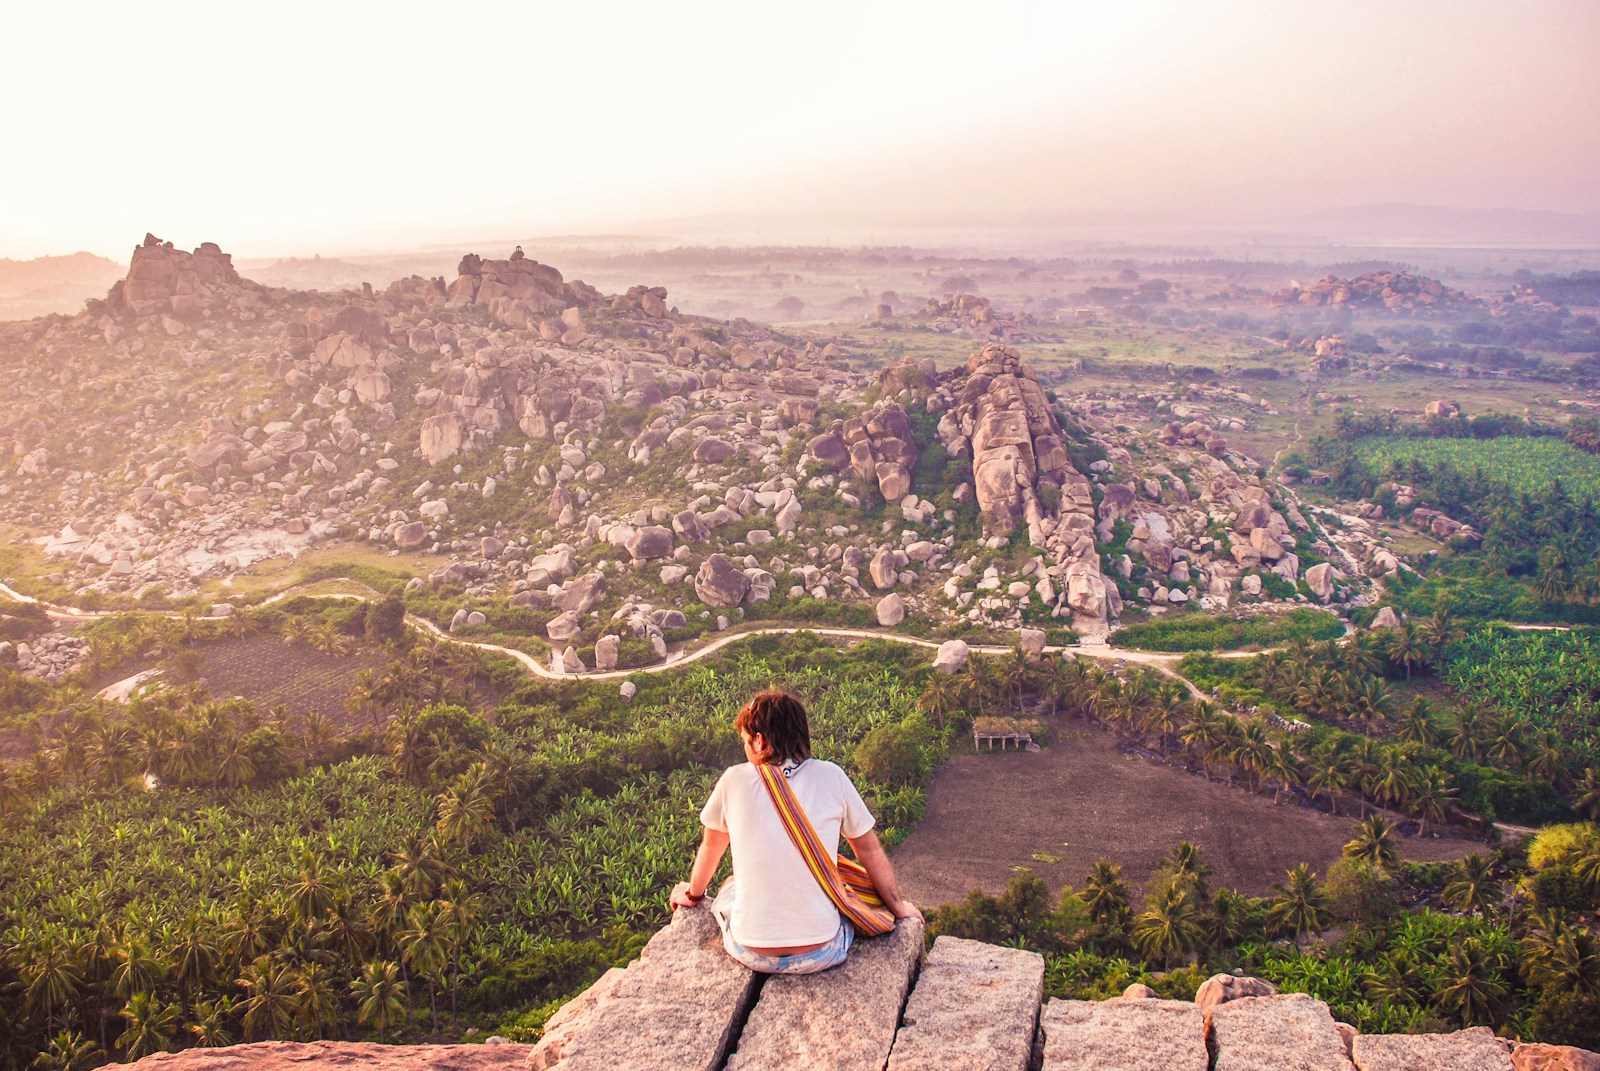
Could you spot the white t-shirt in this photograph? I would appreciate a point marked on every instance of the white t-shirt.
(778, 902)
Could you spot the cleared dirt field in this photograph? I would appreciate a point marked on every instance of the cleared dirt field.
(269, 673)
(1081, 799)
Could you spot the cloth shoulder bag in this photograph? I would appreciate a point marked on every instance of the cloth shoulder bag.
(844, 880)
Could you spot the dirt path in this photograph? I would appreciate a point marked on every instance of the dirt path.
(676, 658)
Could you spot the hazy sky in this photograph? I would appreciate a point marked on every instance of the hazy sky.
(333, 125)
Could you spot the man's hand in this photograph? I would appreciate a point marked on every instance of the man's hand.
(680, 896)
(905, 909)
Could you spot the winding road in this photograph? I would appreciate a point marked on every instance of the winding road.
(1163, 663)
(675, 659)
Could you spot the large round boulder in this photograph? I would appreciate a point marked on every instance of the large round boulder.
(720, 584)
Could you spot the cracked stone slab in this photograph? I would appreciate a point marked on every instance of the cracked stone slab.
(675, 1008)
(1465, 1050)
(975, 1007)
(1292, 1032)
(1124, 1034)
(843, 1019)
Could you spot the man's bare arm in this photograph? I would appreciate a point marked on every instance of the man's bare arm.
(869, 850)
(712, 844)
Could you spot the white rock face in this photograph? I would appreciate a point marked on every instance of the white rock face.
(952, 655)
(891, 610)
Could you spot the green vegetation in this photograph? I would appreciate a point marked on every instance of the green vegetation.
(1526, 464)
(1460, 960)
(462, 868)
(1549, 682)
(1216, 632)
(1532, 499)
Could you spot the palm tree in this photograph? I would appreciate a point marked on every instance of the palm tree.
(380, 996)
(458, 911)
(51, 979)
(310, 896)
(193, 956)
(1369, 703)
(251, 931)
(409, 747)
(270, 1007)
(1185, 863)
(1301, 907)
(136, 969)
(68, 1051)
(1395, 981)
(1330, 774)
(1466, 738)
(1362, 655)
(1473, 888)
(315, 999)
(1586, 796)
(1252, 750)
(1105, 895)
(1072, 684)
(938, 698)
(423, 944)
(1406, 648)
(1017, 672)
(1165, 715)
(1439, 632)
(1232, 918)
(1473, 987)
(466, 808)
(1373, 844)
(1391, 781)
(1204, 732)
(1416, 725)
(1544, 760)
(976, 685)
(420, 867)
(1431, 793)
(152, 1025)
(1505, 743)
(209, 1027)
(1169, 929)
(1561, 956)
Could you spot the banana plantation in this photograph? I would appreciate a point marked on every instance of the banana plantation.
(185, 872)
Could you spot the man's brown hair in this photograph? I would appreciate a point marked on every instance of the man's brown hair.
(781, 719)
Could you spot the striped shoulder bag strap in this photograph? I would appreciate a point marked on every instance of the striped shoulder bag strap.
(845, 881)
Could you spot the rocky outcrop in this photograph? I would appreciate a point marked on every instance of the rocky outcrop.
(518, 292)
(1284, 1033)
(675, 1008)
(1391, 290)
(975, 1005)
(320, 1055)
(164, 280)
(879, 447)
(1022, 474)
(1465, 1050)
(1125, 1034)
(1554, 1058)
(684, 1004)
(796, 1022)
(720, 584)
(1221, 988)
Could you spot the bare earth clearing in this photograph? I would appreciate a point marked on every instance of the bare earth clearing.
(1081, 800)
(270, 673)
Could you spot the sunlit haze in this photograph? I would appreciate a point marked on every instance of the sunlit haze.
(299, 126)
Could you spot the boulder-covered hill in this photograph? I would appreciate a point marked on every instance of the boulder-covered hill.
(586, 454)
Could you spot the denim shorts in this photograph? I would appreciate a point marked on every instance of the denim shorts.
(819, 959)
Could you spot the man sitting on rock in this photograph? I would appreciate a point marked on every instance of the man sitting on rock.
(778, 918)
